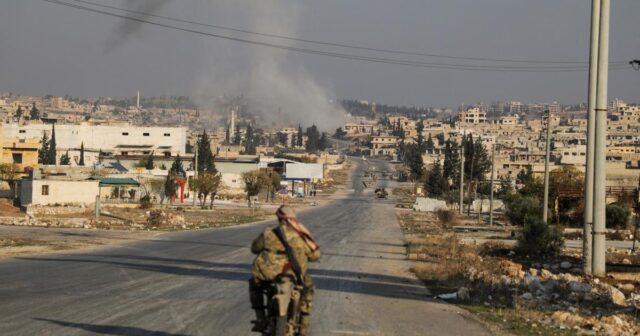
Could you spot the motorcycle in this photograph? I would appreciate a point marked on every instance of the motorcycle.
(283, 307)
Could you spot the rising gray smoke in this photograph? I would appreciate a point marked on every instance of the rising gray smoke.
(126, 28)
(280, 90)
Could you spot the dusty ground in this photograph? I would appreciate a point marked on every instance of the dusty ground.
(80, 230)
(488, 278)
(22, 240)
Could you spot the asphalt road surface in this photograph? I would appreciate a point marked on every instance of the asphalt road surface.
(195, 283)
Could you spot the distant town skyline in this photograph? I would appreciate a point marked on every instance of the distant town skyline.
(50, 49)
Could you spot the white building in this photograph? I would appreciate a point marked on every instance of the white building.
(51, 192)
(122, 139)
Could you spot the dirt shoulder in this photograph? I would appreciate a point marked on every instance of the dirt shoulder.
(55, 229)
(520, 294)
(23, 240)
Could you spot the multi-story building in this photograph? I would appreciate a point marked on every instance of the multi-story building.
(122, 139)
(472, 116)
(384, 145)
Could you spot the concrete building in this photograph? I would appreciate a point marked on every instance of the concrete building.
(58, 191)
(21, 152)
(358, 129)
(472, 116)
(122, 139)
(384, 145)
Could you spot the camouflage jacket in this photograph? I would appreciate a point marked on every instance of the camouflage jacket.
(272, 260)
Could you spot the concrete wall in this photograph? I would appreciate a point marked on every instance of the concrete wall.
(60, 192)
(305, 171)
(429, 204)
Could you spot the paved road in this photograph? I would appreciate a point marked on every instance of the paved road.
(195, 283)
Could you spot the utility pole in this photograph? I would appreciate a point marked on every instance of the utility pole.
(97, 205)
(545, 202)
(462, 174)
(493, 176)
(600, 151)
(587, 256)
(195, 173)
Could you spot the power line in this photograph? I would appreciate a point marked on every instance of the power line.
(334, 44)
(431, 65)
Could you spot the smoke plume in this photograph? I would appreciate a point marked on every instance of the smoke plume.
(279, 89)
(127, 28)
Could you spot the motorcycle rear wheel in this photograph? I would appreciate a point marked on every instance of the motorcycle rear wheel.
(282, 325)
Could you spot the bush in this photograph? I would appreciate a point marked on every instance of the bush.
(539, 239)
(448, 217)
(617, 216)
(521, 207)
(145, 202)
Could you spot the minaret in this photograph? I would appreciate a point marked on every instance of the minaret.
(138, 100)
(232, 124)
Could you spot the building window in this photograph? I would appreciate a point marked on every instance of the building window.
(17, 157)
(125, 133)
(145, 134)
(22, 131)
(167, 134)
(45, 190)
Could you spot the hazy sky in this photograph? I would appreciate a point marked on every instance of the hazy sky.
(50, 49)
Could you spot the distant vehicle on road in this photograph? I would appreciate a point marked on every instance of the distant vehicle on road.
(381, 193)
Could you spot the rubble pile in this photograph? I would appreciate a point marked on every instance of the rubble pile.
(587, 305)
(160, 219)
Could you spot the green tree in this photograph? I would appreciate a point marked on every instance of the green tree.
(420, 140)
(451, 167)
(254, 182)
(538, 238)
(34, 114)
(617, 215)
(323, 143)
(43, 153)
(249, 142)
(412, 158)
(206, 185)
(429, 146)
(65, 160)
(205, 155)
(299, 138)
(435, 185)
(237, 138)
(313, 139)
(521, 207)
(176, 168)
(81, 162)
(149, 164)
(19, 112)
(52, 155)
(283, 139)
(339, 134)
(170, 186)
(525, 176)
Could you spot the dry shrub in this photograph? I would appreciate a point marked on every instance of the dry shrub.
(448, 217)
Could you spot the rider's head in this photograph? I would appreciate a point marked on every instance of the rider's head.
(285, 213)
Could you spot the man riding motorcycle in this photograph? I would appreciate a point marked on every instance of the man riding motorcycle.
(272, 261)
